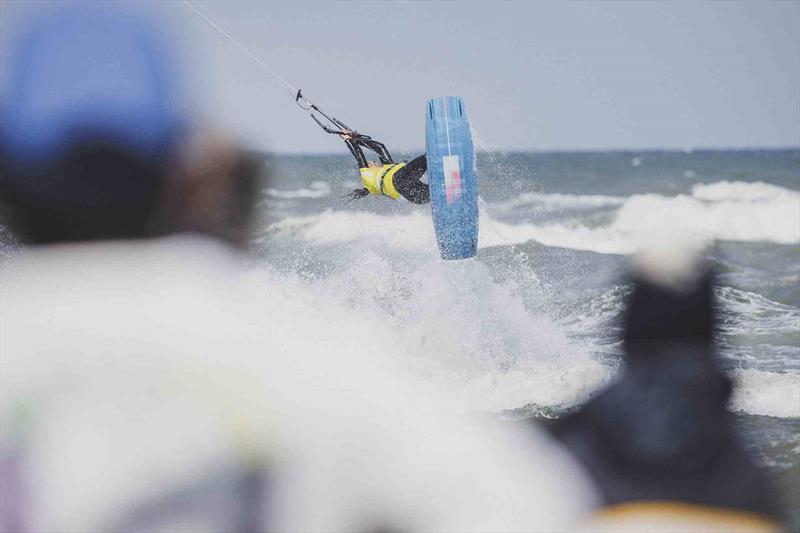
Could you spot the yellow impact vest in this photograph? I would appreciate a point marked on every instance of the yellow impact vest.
(380, 180)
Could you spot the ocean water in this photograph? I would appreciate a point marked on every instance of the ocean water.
(530, 327)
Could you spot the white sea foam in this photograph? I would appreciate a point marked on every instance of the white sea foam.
(404, 233)
(414, 232)
(735, 211)
(767, 393)
(754, 314)
(558, 202)
(472, 337)
(566, 235)
(464, 332)
(282, 372)
(742, 191)
(317, 189)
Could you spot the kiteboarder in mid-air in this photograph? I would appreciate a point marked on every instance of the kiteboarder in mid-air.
(387, 178)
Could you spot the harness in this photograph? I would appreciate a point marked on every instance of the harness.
(380, 180)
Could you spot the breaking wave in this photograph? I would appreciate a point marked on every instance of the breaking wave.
(472, 335)
(731, 211)
(406, 233)
(558, 202)
(734, 211)
(459, 330)
(754, 315)
(767, 393)
(317, 189)
(473, 338)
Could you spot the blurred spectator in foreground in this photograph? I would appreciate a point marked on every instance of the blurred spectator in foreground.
(89, 128)
(147, 384)
(659, 442)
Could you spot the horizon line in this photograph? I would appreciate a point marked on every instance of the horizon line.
(686, 150)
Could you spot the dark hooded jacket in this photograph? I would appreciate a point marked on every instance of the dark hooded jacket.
(662, 432)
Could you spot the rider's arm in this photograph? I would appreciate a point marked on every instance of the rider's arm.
(379, 149)
(355, 149)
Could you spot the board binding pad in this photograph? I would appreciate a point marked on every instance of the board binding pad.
(451, 177)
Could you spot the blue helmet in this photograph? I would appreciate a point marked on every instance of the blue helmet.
(89, 122)
(89, 72)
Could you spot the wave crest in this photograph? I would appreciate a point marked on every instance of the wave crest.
(317, 189)
(767, 393)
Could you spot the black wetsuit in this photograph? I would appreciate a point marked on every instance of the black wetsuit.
(406, 179)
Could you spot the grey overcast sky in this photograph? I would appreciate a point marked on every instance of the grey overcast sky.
(534, 75)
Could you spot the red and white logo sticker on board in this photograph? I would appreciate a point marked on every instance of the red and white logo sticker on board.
(452, 178)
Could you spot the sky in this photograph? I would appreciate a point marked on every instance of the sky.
(534, 75)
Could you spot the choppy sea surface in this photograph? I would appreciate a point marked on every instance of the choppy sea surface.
(530, 327)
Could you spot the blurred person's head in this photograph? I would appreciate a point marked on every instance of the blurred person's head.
(214, 190)
(669, 324)
(672, 301)
(90, 125)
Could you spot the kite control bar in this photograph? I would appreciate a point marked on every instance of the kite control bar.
(343, 129)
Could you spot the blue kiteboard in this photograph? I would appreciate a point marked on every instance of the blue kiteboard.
(451, 177)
